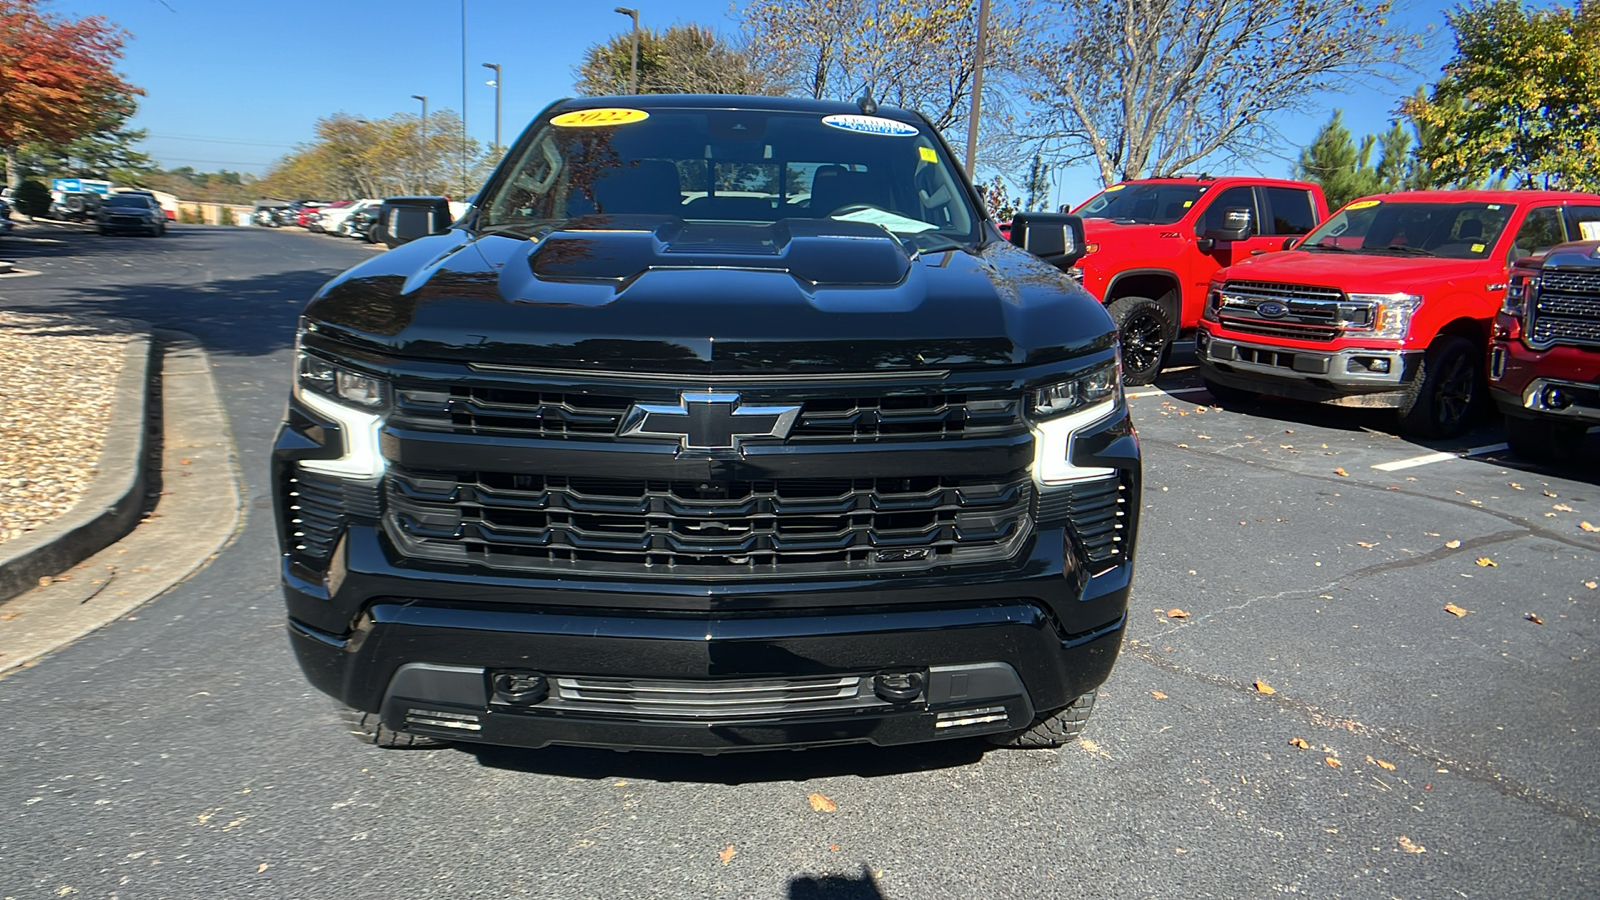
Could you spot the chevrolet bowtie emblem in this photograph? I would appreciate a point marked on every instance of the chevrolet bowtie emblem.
(708, 421)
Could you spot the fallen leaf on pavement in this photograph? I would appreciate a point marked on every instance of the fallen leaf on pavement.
(1587, 527)
(1486, 563)
(1452, 544)
(1534, 618)
(1176, 613)
(1411, 846)
(1332, 763)
(1561, 507)
(1591, 585)
(1367, 544)
(1299, 742)
(1455, 610)
(1381, 764)
(1158, 695)
(1514, 485)
(1547, 493)
(183, 462)
(261, 868)
(821, 803)
(727, 854)
(1340, 471)
(1265, 688)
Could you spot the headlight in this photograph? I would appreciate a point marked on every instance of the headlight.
(1095, 386)
(1060, 410)
(1391, 313)
(1520, 291)
(337, 382)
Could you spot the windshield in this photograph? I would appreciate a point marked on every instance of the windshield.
(736, 166)
(1453, 230)
(1150, 203)
(126, 201)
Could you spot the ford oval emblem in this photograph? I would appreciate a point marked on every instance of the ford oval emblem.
(1272, 309)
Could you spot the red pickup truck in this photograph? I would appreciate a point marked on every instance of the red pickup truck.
(1153, 245)
(1544, 364)
(1389, 303)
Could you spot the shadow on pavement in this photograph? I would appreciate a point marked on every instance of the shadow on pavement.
(835, 887)
(733, 768)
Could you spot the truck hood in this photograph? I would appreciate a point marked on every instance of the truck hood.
(1122, 231)
(1356, 273)
(659, 295)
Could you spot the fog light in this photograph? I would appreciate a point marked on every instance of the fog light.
(898, 687)
(520, 688)
(1556, 398)
(983, 715)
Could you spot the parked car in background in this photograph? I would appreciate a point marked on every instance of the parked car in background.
(1153, 245)
(1388, 304)
(1544, 362)
(331, 218)
(360, 224)
(131, 211)
(5, 217)
(76, 206)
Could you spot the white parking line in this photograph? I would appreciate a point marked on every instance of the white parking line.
(1160, 393)
(1415, 461)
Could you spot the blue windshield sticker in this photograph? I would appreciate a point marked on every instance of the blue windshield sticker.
(870, 125)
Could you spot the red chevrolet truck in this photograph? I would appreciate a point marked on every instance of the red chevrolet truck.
(1155, 243)
(1389, 303)
(1544, 363)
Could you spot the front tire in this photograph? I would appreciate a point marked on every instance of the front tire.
(1146, 330)
(1053, 729)
(1446, 391)
(368, 728)
(1545, 440)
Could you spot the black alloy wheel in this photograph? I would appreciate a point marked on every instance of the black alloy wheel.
(1145, 330)
(1446, 392)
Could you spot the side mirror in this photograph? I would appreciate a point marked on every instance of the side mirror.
(403, 219)
(1235, 225)
(1055, 238)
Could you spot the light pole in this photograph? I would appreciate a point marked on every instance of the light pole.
(977, 87)
(633, 83)
(423, 143)
(496, 83)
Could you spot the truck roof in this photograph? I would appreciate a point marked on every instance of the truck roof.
(1222, 179)
(1478, 196)
(732, 101)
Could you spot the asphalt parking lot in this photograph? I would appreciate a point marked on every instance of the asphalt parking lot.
(1314, 722)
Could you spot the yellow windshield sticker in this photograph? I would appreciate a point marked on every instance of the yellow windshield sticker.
(927, 154)
(597, 118)
(1477, 248)
(1363, 204)
(1188, 203)
(1115, 187)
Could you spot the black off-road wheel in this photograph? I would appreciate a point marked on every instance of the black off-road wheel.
(1053, 729)
(1446, 391)
(1146, 330)
(1545, 440)
(368, 728)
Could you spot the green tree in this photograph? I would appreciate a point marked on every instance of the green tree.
(1155, 86)
(684, 59)
(1520, 98)
(1336, 161)
(107, 152)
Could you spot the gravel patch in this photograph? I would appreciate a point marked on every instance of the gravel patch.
(56, 397)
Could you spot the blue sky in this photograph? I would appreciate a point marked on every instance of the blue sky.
(235, 85)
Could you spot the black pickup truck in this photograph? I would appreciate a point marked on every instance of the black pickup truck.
(718, 423)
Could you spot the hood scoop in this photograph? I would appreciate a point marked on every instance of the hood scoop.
(816, 251)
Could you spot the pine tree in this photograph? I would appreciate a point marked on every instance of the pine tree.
(1334, 161)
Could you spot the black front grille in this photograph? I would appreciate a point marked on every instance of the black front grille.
(710, 698)
(845, 418)
(316, 508)
(1567, 309)
(1097, 514)
(628, 526)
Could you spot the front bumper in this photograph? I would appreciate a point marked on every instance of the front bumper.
(1344, 377)
(1561, 382)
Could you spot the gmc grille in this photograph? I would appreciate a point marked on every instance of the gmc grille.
(736, 529)
(1567, 309)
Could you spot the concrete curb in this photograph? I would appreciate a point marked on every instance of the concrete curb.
(110, 507)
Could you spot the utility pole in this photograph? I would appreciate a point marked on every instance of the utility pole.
(633, 83)
(977, 87)
(496, 83)
(423, 143)
(464, 188)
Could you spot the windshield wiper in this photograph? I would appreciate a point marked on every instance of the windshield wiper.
(1333, 247)
(1409, 251)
